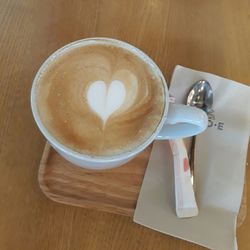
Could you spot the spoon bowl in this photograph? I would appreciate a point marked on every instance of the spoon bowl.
(201, 96)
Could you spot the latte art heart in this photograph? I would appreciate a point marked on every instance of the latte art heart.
(104, 99)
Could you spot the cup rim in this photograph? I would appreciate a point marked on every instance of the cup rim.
(67, 150)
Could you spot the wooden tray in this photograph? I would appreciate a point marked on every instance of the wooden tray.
(115, 190)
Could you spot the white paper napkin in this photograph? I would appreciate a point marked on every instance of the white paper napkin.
(220, 157)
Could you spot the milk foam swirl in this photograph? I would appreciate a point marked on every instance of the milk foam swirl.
(100, 100)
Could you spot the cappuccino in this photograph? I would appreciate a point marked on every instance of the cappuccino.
(100, 99)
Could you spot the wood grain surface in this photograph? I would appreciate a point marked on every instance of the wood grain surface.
(212, 36)
(112, 190)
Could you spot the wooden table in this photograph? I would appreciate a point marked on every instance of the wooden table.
(212, 36)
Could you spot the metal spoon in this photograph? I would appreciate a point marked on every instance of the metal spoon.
(200, 96)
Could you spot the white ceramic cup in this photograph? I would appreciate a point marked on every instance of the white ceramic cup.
(178, 121)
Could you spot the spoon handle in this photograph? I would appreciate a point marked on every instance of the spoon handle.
(191, 159)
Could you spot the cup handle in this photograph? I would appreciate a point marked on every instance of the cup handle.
(183, 121)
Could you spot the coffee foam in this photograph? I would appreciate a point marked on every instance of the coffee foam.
(100, 100)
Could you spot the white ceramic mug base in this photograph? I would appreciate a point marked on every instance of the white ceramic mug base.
(178, 121)
(88, 164)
